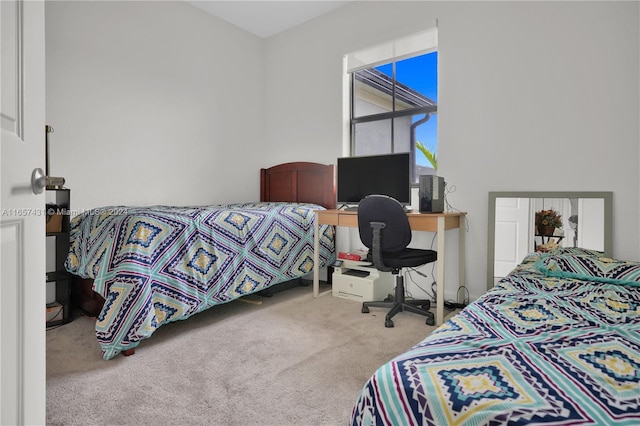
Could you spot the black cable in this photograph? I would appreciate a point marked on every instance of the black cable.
(453, 305)
(450, 208)
(408, 272)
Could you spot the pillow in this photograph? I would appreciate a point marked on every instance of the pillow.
(577, 250)
(590, 268)
(535, 256)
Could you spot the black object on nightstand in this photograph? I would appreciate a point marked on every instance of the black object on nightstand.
(58, 279)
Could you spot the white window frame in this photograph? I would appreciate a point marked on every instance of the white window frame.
(412, 45)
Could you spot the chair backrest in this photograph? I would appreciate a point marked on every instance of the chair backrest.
(396, 236)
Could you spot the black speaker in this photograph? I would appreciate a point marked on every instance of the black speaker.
(431, 194)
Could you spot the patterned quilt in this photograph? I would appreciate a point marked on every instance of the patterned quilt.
(155, 265)
(535, 349)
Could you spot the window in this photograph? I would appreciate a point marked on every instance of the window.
(393, 100)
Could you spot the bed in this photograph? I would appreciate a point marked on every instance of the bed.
(138, 268)
(556, 341)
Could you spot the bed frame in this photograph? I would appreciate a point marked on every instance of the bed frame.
(297, 182)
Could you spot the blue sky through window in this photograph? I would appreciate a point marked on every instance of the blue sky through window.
(421, 74)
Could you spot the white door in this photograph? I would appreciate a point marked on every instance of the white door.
(22, 285)
(590, 222)
(512, 233)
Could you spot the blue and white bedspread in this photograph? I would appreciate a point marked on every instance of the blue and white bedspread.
(537, 348)
(155, 265)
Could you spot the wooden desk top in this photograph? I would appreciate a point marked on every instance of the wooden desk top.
(417, 221)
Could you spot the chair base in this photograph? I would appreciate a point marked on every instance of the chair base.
(398, 303)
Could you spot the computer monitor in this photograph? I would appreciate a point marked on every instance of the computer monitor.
(387, 174)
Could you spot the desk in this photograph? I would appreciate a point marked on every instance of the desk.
(431, 222)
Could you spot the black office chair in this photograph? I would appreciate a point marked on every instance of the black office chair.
(384, 229)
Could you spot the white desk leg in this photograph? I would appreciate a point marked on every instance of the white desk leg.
(316, 258)
(440, 275)
(461, 258)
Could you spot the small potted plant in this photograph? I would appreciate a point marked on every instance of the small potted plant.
(547, 221)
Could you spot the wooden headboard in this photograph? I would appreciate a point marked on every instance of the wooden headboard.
(299, 182)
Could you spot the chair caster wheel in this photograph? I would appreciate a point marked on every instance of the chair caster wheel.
(365, 310)
(431, 321)
(388, 323)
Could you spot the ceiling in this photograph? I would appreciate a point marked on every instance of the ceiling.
(266, 18)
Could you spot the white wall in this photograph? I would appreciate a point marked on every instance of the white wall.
(157, 102)
(152, 103)
(533, 96)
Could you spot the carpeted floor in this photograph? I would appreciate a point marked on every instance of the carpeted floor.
(291, 360)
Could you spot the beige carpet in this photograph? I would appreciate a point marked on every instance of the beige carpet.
(292, 360)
